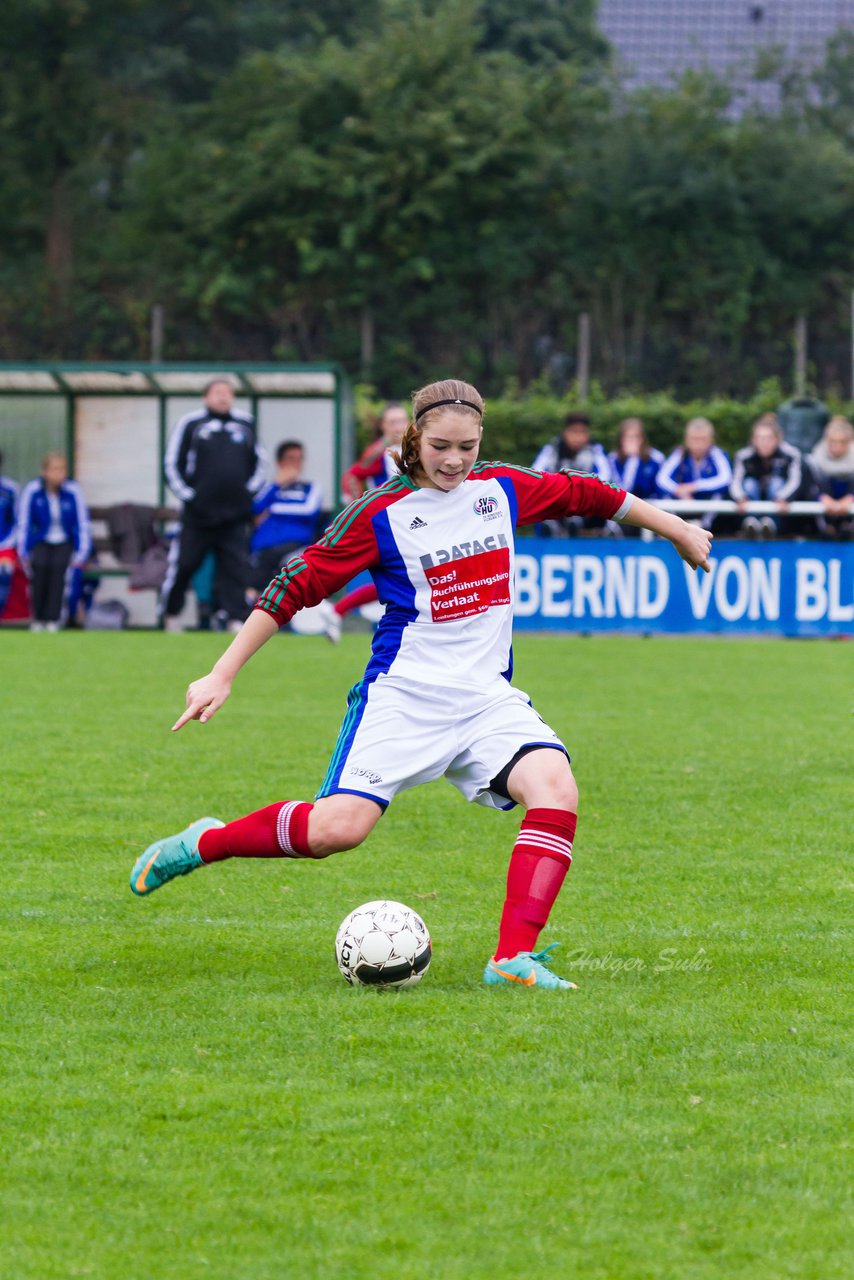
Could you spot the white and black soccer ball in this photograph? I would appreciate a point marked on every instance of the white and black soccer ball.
(383, 944)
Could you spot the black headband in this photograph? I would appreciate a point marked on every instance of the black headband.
(437, 403)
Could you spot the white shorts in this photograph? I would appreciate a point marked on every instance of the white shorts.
(396, 736)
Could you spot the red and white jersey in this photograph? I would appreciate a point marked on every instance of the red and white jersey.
(443, 564)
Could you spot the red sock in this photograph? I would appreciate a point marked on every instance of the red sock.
(279, 831)
(355, 599)
(540, 860)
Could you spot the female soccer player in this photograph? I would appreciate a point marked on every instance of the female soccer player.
(436, 698)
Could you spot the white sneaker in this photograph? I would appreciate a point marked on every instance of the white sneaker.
(172, 624)
(233, 626)
(372, 612)
(768, 527)
(51, 626)
(331, 622)
(37, 626)
(750, 527)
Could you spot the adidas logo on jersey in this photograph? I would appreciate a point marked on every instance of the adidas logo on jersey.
(418, 523)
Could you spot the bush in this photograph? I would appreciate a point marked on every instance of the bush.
(518, 423)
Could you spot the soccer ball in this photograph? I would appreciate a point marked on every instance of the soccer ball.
(383, 944)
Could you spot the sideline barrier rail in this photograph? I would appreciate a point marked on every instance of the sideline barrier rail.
(696, 506)
(725, 506)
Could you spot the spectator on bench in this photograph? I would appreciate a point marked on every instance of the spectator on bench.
(573, 450)
(288, 514)
(9, 494)
(634, 464)
(832, 465)
(766, 470)
(697, 468)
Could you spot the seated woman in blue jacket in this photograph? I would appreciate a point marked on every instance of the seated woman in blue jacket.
(697, 468)
(635, 464)
(54, 538)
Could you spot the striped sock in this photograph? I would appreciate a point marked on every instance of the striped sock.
(541, 857)
(355, 599)
(278, 831)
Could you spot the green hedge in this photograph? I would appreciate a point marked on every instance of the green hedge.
(518, 423)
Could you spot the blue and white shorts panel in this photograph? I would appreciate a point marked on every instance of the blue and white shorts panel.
(397, 736)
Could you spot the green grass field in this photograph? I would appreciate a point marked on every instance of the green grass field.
(189, 1088)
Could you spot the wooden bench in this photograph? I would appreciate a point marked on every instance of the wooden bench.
(107, 566)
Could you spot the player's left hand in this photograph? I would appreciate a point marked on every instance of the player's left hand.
(694, 544)
(204, 699)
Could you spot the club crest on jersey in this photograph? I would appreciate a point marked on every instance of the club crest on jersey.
(487, 507)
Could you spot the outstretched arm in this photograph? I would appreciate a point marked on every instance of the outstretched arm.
(206, 696)
(347, 547)
(692, 542)
(548, 497)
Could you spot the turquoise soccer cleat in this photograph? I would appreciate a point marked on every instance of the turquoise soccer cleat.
(528, 969)
(175, 856)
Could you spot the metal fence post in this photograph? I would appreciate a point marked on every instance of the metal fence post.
(157, 314)
(583, 354)
(800, 355)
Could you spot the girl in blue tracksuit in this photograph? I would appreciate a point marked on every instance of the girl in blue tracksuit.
(8, 533)
(697, 468)
(634, 464)
(54, 538)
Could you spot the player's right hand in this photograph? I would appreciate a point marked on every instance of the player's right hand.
(204, 699)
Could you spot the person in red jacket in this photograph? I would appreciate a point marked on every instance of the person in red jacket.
(436, 698)
(376, 465)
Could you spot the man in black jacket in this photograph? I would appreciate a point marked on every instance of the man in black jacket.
(214, 465)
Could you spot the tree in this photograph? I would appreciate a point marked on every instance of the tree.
(398, 179)
(80, 82)
(75, 80)
(544, 32)
(418, 186)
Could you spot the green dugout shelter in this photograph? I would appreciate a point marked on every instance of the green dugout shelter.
(113, 420)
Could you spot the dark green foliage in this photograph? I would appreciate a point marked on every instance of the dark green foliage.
(543, 32)
(518, 423)
(414, 188)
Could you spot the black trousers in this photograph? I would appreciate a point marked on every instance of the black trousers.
(267, 562)
(230, 546)
(49, 563)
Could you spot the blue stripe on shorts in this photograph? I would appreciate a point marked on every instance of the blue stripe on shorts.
(357, 700)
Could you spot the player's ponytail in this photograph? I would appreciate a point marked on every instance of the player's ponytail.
(461, 397)
(409, 453)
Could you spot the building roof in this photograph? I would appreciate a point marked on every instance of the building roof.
(655, 41)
